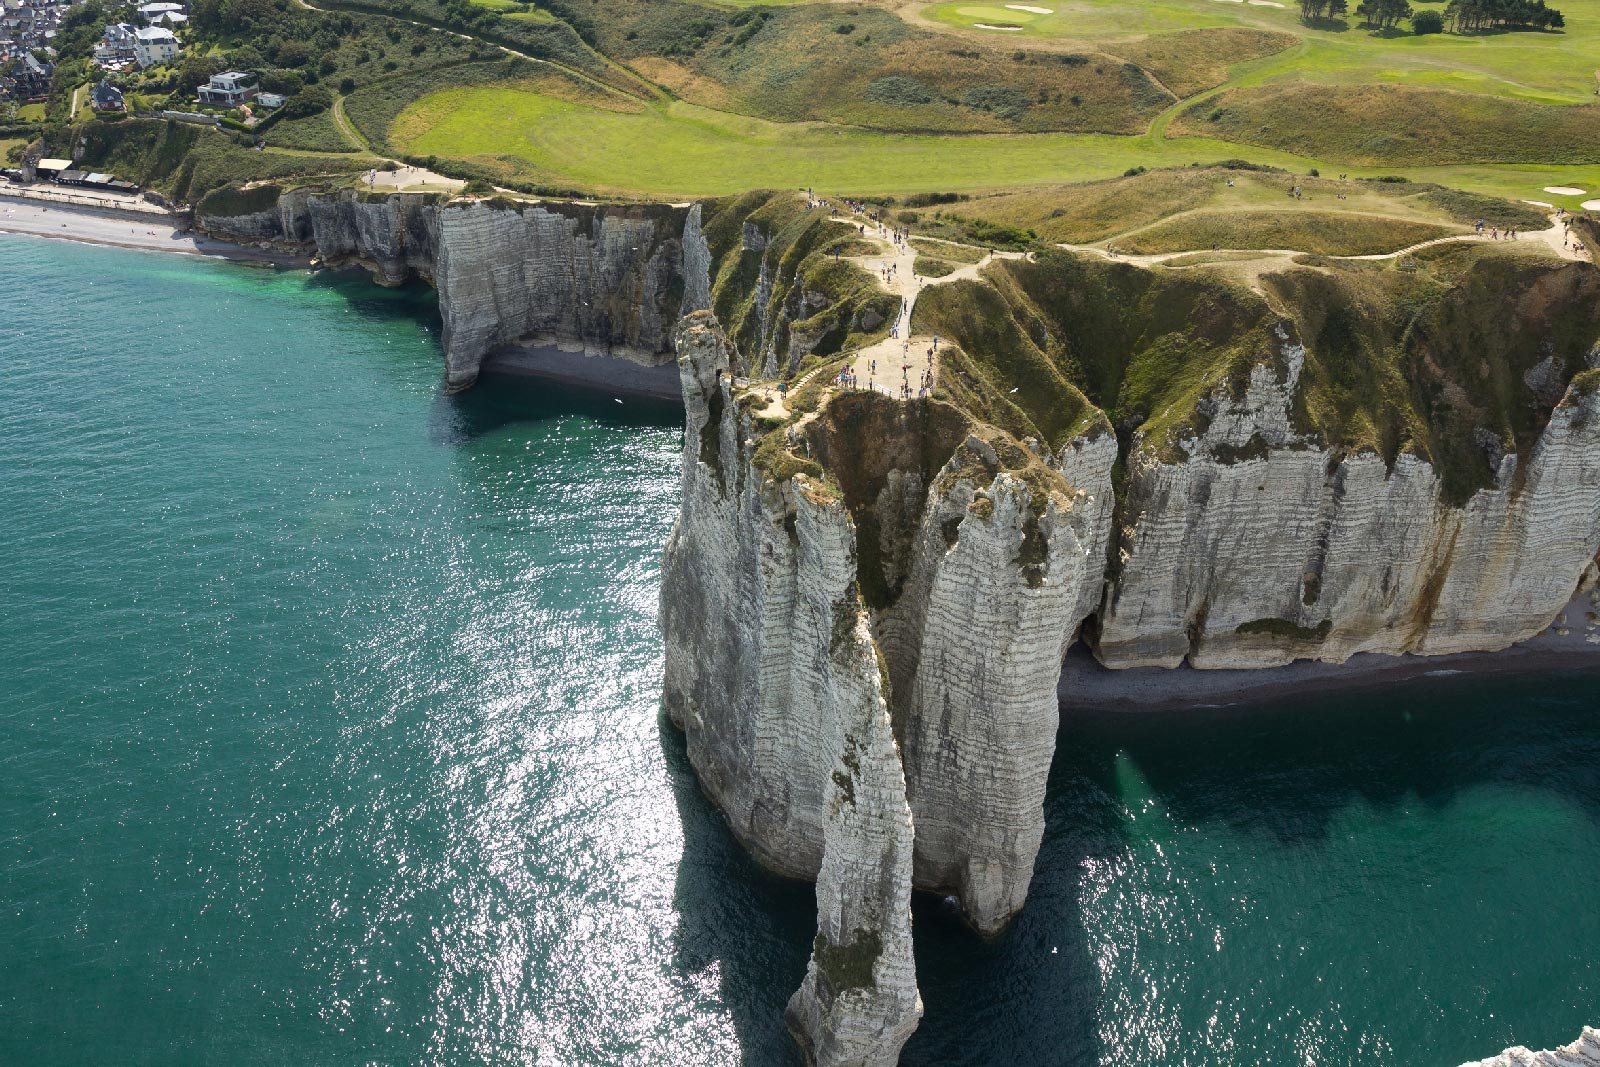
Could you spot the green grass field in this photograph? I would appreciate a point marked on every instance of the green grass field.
(1544, 67)
(711, 97)
(678, 149)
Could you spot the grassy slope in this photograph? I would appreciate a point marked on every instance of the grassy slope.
(1398, 125)
(1547, 67)
(1167, 210)
(1395, 359)
(864, 66)
(667, 150)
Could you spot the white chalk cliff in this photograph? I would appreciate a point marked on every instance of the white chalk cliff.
(866, 602)
(604, 280)
(1584, 1052)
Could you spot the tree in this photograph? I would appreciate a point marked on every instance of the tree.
(195, 71)
(308, 101)
(1427, 22)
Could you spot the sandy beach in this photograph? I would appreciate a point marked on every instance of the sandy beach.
(151, 231)
(1572, 643)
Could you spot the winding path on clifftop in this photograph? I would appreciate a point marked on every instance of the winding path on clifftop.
(1554, 238)
(874, 366)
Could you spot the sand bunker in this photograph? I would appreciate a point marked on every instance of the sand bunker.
(987, 26)
(1538, 203)
(1230, 1)
(1565, 190)
(1030, 10)
(1265, 3)
(1590, 205)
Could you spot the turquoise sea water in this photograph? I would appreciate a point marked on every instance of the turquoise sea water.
(329, 735)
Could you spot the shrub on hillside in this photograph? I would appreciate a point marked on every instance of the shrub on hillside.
(1007, 101)
(899, 90)
(308, 101)
(1427, 22)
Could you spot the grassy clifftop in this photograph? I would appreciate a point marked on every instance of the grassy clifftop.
(1457, 356)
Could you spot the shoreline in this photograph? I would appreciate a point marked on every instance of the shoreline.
(1086, 686)
(146, 231)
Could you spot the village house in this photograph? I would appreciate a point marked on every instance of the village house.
(117, 45)
(153, 45)
(152, 13)
(29, 78)
(106, 97)
(229, 89)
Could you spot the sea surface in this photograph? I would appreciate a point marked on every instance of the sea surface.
(329, 734)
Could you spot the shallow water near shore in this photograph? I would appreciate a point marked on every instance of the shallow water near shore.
(329, 710)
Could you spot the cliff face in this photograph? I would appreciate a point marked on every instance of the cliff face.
(605, 280)
(1199, 483)
(773, 674)
(1337, 461)
(1261, 545)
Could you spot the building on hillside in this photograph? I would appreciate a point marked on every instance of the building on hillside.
(271, 100)
(229, 89)
(153, 45)
(29, 79)
(49, 168)
(106, 97)
(117, 44)
(152, 13)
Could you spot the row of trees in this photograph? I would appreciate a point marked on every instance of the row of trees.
(1383, 14)
(1464, 16)
(1467, 16)
(1317, 10)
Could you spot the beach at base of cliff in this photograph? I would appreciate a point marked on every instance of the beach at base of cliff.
(147, 231)
(1572, 642)
(605, 374)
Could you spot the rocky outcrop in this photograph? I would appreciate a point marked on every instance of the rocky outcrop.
(859, 1001)
(1257, 544)
(1584, 1052)
(866, 602)
(607, 280)
(773, 675)
(977, 718)
(822, 661)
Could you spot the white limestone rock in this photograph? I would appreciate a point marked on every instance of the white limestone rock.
(772, 674)
(859, 1002)
(999, 584)
(1584, 1052)
(1260, 546)
(607, 280)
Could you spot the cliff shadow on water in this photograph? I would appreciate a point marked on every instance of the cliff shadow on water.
(751, 926)
(1398, 868)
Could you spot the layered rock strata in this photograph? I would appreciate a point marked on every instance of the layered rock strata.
(607, 280)
(1584, 1052)
(822, 663)
(1260, 544)
(965, 559)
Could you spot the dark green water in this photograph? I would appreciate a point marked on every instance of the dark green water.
(329, 735)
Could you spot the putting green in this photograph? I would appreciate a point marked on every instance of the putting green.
(996, 14)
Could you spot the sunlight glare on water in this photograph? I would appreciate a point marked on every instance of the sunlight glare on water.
(331, 735)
